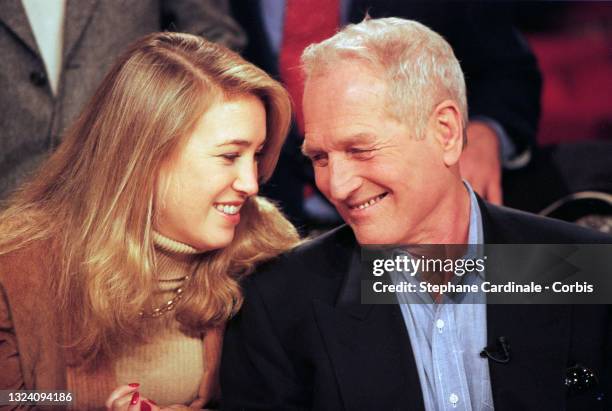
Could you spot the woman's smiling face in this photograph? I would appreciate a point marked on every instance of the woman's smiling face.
(204, 183)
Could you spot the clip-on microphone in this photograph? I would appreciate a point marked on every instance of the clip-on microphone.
(499, 354)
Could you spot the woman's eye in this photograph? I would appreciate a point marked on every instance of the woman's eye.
(230, 156)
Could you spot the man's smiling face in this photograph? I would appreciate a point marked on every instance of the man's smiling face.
(385, 183)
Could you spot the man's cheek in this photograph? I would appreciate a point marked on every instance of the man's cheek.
(322, 181)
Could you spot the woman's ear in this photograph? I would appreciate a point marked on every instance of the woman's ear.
(446, 125)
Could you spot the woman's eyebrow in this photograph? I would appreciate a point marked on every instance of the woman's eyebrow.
(237, 142)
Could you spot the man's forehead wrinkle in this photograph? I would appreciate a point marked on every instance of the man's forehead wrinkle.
(340, 131)
(342, 142)
(347, 115)
(356, 84)
(346, 107)
(340, 124)
(356, 90)
(354, 138)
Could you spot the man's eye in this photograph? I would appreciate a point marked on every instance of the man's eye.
(361, 153)
(319, 160)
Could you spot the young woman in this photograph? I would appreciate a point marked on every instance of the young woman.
(120, 260)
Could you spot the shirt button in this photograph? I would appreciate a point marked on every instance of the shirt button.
(38, 78)
(440, 325)
(453, 399)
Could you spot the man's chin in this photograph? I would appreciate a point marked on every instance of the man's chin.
(373, 236)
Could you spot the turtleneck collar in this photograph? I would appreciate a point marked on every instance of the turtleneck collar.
(174, 260)
(172, 246)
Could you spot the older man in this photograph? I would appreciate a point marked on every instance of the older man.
(385, 114)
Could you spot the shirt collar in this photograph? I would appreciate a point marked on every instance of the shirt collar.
(475, 230)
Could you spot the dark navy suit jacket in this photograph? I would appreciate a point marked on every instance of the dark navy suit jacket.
(303, 340)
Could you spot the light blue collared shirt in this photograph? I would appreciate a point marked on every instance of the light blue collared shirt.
(447, 339)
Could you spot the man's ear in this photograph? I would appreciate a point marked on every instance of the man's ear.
(446, 125)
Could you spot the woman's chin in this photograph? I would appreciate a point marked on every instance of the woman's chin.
(219, 241)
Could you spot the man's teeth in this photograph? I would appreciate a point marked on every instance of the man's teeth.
(369, 203)
(227, 209)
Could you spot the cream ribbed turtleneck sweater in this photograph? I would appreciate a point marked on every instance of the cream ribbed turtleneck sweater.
(170, 367)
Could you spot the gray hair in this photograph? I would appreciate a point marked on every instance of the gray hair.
(418, 64)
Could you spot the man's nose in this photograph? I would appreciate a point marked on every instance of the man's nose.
(343, 179)
(246, 180)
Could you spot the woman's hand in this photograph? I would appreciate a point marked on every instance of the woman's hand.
(127, 397)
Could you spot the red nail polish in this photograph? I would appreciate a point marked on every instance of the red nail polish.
(134, 385)
(144, 406)
(135, 398)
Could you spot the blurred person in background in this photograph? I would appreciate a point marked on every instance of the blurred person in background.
(55, 53)
(570, 176)
(120, 260)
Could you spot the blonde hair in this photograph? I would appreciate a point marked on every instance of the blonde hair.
(419, 66)
(93, 198)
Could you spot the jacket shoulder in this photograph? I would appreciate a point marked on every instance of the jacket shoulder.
(314, 269)
(506, 225)
(324, 254)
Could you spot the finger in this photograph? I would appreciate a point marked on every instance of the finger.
(148, 405)
(197, 404)
(135, 402)
(122, 403)
(153, 407)
(120, 392)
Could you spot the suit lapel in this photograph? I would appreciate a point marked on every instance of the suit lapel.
(78, 15)
(539, 338)
(369, 349)
(13, 15)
